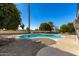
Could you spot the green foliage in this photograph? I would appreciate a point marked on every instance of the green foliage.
(67, 28)
(51, 24)
(22, 26)
(27, 30)
(9, 16)
(63, 28)
(45, 27)
(70, 27)
(36, 29)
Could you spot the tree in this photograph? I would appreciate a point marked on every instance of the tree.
(45, 27)
(27, 29)
(63, 28)
(51, 24)
(36, 29)
(9, 16)
(70, 27)
(22, 26)
(67, 28)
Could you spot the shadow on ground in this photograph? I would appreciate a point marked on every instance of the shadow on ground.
(50, 51)
(25, 47)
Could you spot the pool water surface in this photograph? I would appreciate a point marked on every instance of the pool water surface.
(31, 36)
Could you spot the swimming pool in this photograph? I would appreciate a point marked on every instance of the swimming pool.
(31, 36)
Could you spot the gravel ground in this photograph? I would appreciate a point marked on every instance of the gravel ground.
(21, 47)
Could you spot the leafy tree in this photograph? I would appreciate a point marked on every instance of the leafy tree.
(63, 28)
(27, 29)
(9, 16)
(51, 24)
(22, 26)
(36, 29)
(70, 27)
(45, 27)
(67, 28)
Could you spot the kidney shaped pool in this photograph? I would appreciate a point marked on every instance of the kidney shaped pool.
(31, 36)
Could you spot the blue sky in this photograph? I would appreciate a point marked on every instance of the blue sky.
(58, 13)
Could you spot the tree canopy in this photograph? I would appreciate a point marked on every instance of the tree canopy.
(63, 28)
(22, 26)
(51, 24)
(45, 27)
(27, 29)
(67, 28)
(70, 27)
(9, 16)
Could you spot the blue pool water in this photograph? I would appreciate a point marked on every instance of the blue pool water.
(50, 36)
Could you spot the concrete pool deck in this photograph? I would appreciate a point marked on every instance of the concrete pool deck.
(68, 44)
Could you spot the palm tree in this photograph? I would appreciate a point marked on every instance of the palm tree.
(29, 17)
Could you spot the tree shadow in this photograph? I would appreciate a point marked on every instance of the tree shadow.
(28, 47)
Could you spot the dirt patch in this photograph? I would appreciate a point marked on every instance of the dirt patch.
(45, 41)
